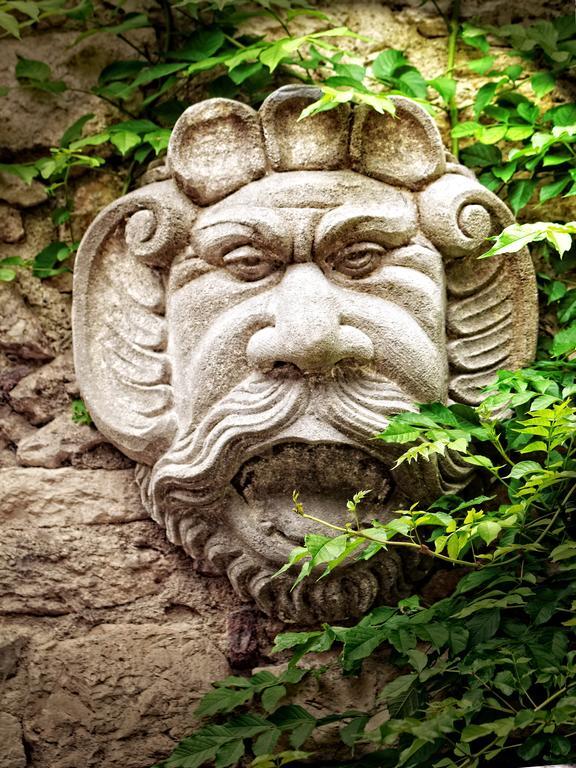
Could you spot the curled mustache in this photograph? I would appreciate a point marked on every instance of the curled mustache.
(201, 462)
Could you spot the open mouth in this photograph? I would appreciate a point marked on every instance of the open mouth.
(326, 475)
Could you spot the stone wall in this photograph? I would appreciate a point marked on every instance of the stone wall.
(108, 635)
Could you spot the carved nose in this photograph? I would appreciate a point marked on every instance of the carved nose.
(307, 329)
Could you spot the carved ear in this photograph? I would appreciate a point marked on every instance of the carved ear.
(215, 148)
(118, 320)
(319, 142)
(492, 304)
(405, 148)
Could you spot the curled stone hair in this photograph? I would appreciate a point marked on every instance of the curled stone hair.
(217, 147)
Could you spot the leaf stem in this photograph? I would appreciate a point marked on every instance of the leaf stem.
(454, 28)
(410, 544)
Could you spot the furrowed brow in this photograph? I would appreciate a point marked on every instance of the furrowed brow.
(389, 224)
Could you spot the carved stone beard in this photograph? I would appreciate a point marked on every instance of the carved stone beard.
(231, 478)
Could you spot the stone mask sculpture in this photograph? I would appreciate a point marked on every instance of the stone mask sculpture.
(243, 328)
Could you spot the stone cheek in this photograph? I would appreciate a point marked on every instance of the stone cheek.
(243, 329)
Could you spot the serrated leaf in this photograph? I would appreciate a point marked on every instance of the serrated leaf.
(230, 754)
(125, 141)
(74, 131)
(489, 530)
(271, 696)
(542, 83)
(520, 192)
(386, 63)
(446, 87)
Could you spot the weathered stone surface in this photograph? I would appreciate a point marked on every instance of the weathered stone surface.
(34, 119)
(11, 647)
(51, 307)
(120, 696)
(259, 352)
(11, 373)
(46, 498)
(8, 457)
(46, 392)
(20, 331)
(13, 755)
(71, 571)
(13, 426)
(103, 456)
(16, 192)
(11, 229)
(58, 442)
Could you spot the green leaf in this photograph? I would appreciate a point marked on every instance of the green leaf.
(492, 134)
(418, 659)
(468, 128)
(523, 468)
(230, 754)
(386, 63)
(482, 65)
(481, 155)
(10, 24)
(412, 84)
(80, 413)
(125, 141)
(26, 172)
(542, 83)
(156, 72)
(520, 192)
(32, 69)
(266, 742)
(271, 696)
(6, 274)
(548, 191)
(519, 132)
(121, 70)
(471, 732)
(564, 342)
(489, 530)
(446, 87)
(200, 45)
(484, 97)
(74, 131)
(37, 74)
(564, 115)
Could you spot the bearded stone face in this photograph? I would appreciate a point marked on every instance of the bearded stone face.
(244, 332)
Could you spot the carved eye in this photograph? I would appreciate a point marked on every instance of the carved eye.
(249, 263)
(359, 259)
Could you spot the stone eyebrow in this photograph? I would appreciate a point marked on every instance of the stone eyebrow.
(392, 224)
(218, 228)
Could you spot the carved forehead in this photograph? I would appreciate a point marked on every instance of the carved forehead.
(317, 189)
(312, 195)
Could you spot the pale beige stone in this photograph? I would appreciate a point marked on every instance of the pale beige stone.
(58, 442)
(16, 192)
(11, 745)
(121, 696)
(20, 331)
(67, 496)
(11, 229)
(46, 392)
(13, 426)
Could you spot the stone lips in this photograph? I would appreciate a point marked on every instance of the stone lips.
(139, 374)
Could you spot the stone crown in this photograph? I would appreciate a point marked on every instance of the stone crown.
(220, 145)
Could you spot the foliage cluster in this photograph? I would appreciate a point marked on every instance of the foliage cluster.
(489, 672)
(485, 673)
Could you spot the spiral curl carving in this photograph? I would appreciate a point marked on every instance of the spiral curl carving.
(458, 214)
